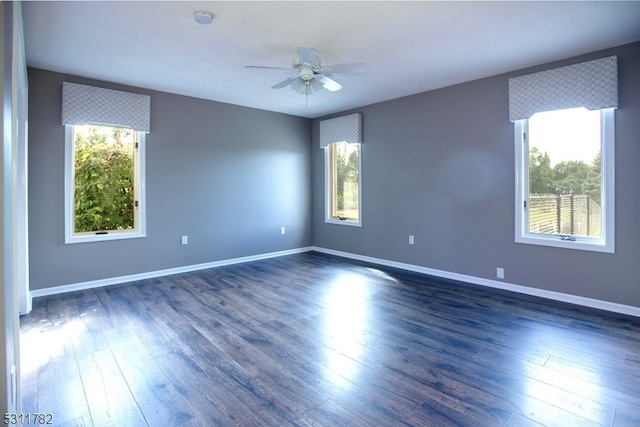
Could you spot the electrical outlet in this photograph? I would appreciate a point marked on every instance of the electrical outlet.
(500, 273)
(411, 240)
(184, 240)
(282, 230)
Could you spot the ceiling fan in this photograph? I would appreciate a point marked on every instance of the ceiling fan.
(310, 76)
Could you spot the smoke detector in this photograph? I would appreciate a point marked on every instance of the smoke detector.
(203, 17)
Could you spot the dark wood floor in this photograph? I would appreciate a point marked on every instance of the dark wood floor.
(314, 340)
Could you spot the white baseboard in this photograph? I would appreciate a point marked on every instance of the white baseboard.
(552, 295)
(159, 273)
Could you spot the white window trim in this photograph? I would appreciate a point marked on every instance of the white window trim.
(607, 242)
(69, 236)
(328, 219)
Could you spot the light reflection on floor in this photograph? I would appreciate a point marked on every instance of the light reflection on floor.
(381, 274)
(37, 347)
(344, 326)
(567, 379)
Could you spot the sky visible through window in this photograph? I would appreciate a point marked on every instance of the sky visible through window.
(572, 134)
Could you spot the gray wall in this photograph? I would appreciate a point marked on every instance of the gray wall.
(440, 165)
(227, 176)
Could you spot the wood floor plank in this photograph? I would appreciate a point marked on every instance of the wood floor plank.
(374, 409)
(517, 420)
(86, 339)
(501, 389)
(217, 400)
(47, 356)
(316, 340)
(159, 402)
(627, 419)
(330, 413)
(607, 388)
(442, 409)
(202, 392)
(84, 421)
(158, 339)
(109, 398)
(61, 391)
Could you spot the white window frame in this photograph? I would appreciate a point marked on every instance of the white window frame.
(329, 218)
(604, 244)
(140, 228)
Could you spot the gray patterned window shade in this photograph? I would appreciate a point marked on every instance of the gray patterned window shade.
(345, 128)
(82, 104)
(592, 84)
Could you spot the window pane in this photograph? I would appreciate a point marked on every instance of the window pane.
(103, 176)
(565, 170)
(344, 164)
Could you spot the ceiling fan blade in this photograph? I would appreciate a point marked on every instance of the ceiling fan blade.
(345, 69)
(307, 56)
(261, 67)
(284, 83)
(329, 84)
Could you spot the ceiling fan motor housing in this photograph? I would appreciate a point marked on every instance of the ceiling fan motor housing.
(311, 63)
(306, 74)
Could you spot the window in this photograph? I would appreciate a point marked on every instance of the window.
(342, 181)
(105, 134)
(564, 147)
(104, 183)
(341, 137)
(564, 176)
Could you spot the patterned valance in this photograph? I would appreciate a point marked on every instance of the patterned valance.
(82, 104)
(339, 129)
(592, 84)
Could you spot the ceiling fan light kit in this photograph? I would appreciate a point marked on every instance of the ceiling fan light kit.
(310, 76)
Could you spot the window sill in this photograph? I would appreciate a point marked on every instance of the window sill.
(557, 242)
(343, 222)
(114, 235)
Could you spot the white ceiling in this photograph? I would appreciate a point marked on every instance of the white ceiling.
(409, 47)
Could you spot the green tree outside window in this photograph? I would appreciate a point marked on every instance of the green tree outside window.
(104, 194)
